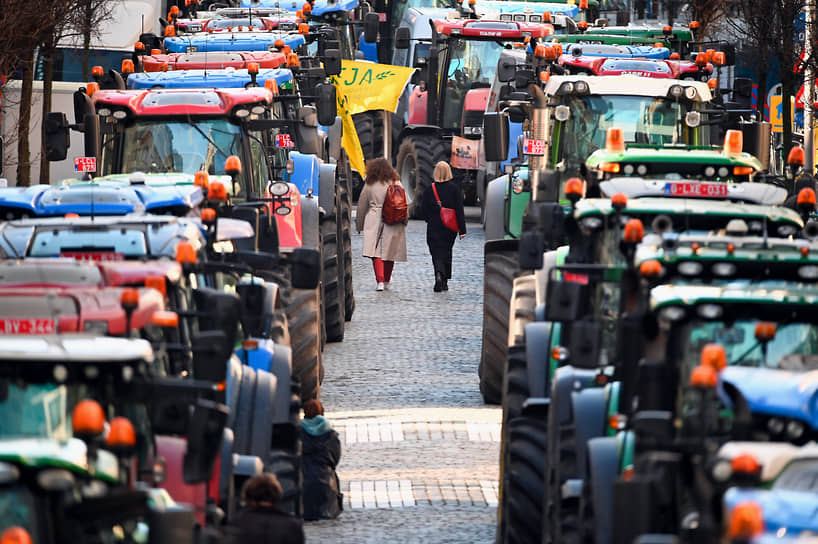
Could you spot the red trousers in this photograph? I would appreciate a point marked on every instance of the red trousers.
(383, 269)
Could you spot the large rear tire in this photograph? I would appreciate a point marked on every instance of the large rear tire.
(304, 316)
(417, 157)
(333, 279)
(345, 186)
(287, 468)
(501, 264)
(524, 479)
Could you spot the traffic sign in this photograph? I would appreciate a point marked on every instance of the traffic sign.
(777, 113)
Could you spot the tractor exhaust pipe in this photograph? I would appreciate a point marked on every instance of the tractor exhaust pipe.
(538, 128)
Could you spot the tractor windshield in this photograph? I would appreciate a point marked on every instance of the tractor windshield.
(643, 119)
(163, 146)
(794, 346)
(18, 508)
(472, 64)
(38, 411)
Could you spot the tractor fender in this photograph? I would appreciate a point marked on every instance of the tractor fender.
(603, 464)
(495, 209)
(261, 434)
(172, 449)
(310, 216)
(417, 112)
(334, 134)
(537, 341)
(589, 407)
(567, 380)
(305, 172)
(369, 50)
(225, 468)
(549, 262)
(419, 130)
(326, 182)
(281, 368)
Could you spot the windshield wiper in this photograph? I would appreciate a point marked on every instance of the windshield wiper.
(206, 136)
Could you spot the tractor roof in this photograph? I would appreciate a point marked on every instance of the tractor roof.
(44, 453)
(221, 59)
(210, 78)
(231, 41)
(492, 9)
(481, 28)
(73, 348)
(628, 85)
(744, 298)
(716, 209)
(183, 101)
(616, 51)
(752, 193)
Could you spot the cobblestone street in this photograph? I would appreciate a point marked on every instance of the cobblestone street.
(420, 450)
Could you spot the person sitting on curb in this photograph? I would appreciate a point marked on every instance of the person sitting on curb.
(321, 452)
(262, 521)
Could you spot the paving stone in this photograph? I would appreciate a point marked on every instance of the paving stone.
(420, 450)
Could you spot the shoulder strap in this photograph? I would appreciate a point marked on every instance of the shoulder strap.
(437, 197)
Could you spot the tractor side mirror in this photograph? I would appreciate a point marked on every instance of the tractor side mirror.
(371, 23)
(332, 62)
(204, 438)
(57, 139)
(218, 311)
(584, 344)
(307, 117)
(305, 265)
(82, 106)
(402, 38)
(93, 141)
(326, 103)
(495, 124)
(210, 355)
(506, 70)
(523, 78)
(565, 300)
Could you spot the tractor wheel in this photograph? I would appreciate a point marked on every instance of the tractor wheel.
(287, 468)
(524, 479)
(562, 511)
(366, 129)
(333, 279)
(522, 306)
(417, 157)
(515, 391)
(500, 266)
(279, 328)
(346, 233)
(304, 316)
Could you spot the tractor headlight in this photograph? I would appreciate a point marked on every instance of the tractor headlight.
(795, 429)
(690, 268)
(517, 186)
(672, 313)
(279, 188)
(710, 311)
(693, 119)
(724, 269)
(562, 113)
(775, 426)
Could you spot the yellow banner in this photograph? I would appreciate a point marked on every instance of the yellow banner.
(365, 86)
(369, 86)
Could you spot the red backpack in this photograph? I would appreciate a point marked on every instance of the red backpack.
(395, 208)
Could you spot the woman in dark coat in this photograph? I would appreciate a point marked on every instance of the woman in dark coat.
(262, 522)
(440, 239)
(321, 452)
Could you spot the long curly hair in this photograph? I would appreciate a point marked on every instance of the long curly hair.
(379, 171)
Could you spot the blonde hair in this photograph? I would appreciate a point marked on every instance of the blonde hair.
(442, 172)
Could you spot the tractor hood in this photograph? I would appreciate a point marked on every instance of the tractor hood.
(98, 198)
(231, 41)
(197, 79)
(774, 392)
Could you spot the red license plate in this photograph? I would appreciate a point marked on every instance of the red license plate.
(95, 256)
(575, 278)
(27, 326)
(696, 189)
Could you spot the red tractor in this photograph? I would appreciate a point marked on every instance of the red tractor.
(449, 97)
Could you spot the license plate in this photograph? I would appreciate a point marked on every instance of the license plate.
(573, 277)
(696, 189)
(534, 147)
(26, 326)
(95, 256)
(284, 140)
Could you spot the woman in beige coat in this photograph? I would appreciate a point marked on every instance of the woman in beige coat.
(383, 243)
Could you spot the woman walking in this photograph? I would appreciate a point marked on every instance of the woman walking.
(439, 238)
(383, 243)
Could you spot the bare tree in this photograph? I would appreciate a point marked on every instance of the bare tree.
(709, 14)
(787, 11)
(756, 28)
